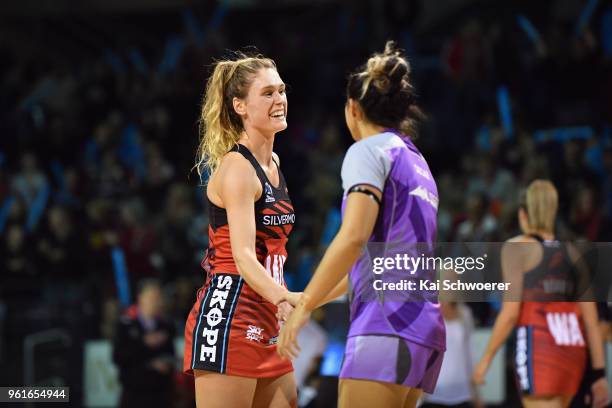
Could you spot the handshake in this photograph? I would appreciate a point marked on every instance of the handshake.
(292, 315)
(286, 305)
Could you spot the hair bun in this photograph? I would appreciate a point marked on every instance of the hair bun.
(383, 90)
(399, 69)
(376, 73)
(386, 71)
(397, 65)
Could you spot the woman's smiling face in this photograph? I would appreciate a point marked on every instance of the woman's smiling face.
(265, 106)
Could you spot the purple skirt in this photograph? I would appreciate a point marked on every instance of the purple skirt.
(392, 359)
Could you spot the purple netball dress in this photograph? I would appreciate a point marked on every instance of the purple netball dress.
(390, 340)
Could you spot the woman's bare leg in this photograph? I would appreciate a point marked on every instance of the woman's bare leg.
(278, 392)
(413, 397)
(366, 394)
(215, 390)
(556, 401)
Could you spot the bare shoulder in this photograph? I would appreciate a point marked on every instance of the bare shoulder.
(276, 158)
(517, 252)
(236, 175)
(234, 164)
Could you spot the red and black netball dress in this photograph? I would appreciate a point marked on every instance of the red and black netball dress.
(550, 343)
(231, 329)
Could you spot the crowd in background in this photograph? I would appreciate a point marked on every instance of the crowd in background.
(97, 148)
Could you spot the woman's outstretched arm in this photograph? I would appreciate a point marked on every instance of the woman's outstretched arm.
(360, 216)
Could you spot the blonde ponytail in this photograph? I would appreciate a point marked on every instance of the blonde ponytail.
(542, 202)
(220, 125)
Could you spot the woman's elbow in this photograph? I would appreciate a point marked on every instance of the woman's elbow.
(356, 240)
(353, 237)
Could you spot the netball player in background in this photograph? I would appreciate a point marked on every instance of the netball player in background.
(231, 332)
(394, 349)
(552, 331)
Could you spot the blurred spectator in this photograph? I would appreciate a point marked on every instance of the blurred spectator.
(136, 236)
(586, 217)
(176, 250)
(112, 180)
(463, 56)
(30, 181)
(607, 195)
(572, 174)
(143, 350)
(454, 387)
(181, 291)
(450, 205)
(18, 270)
(159, 174)
(62, 253)
(480, 225)
(313, 342)
(4, 185)
(71, 189)
(495, 182)
(535, 167)
(101, 142)
(61, 249)
(111, 311)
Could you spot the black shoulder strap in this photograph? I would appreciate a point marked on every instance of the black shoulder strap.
(244, 151)
(281, 176)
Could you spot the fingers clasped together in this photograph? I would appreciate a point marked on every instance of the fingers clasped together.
(292, 315)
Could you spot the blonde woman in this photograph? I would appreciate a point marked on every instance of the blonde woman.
(550, 354)
(230, 335)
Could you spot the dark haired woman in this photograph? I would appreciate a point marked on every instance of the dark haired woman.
(394, 349)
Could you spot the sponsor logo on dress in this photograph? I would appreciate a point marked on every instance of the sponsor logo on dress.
(565, 329)
(216, 306)
(521, 358)
(268, 191)
(254, 333)
(279, 219)
(556, 286)
(425, 195)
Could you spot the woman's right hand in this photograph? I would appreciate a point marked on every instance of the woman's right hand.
(480, 372)
(600, 393)
(292, 298)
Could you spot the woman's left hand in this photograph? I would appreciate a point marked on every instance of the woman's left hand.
(283, 312)
(287, 345)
